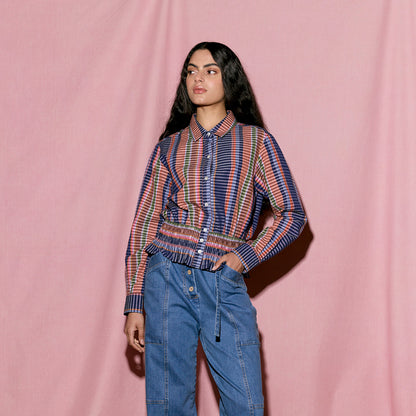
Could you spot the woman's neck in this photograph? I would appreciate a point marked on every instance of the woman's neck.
(209, 117)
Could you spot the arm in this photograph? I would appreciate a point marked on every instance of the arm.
(152, 199)
(274, 181)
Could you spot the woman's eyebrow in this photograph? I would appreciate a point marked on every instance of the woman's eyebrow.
(205, 66)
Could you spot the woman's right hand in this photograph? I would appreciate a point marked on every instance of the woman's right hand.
(134, 329)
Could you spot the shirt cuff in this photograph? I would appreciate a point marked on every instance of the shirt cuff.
(134, 303)
(247, 256)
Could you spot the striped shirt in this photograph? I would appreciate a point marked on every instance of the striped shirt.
(201, 197)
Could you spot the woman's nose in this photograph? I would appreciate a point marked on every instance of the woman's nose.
(199, 77)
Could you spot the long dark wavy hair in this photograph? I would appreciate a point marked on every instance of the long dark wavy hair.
(239, 96)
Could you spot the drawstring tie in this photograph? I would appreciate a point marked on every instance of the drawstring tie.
(217, 307)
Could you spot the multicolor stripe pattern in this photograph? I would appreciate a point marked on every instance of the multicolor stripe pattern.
(201, 198)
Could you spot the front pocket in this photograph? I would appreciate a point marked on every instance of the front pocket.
(154, 262)
(232, 277)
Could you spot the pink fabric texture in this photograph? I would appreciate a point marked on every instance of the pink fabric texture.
(85, 89)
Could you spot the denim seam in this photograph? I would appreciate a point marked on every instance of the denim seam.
(242, 365)
(165, 337)
(233, 282)
(246, 343)
(149, 267)
(149, 401)
(155, 266)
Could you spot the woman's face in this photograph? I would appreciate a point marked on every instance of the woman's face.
(204, 80)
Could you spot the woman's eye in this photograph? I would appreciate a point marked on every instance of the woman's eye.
(191, 71)
(211, 72)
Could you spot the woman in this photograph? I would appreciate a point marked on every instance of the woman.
(191, 240)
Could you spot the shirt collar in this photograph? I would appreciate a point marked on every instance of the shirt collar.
(223, 127)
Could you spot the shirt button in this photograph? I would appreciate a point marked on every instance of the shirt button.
(208, 156)
(205, 230)
(199, 251)
(201, 240)
(206, 204)
(208, 134)
(189, 272)
(191, 288)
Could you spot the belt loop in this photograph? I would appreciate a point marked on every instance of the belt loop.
(217, 306)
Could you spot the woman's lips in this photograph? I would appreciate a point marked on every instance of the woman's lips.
(199, 90)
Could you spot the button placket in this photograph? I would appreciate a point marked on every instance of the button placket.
(189, 284)
(206, 166)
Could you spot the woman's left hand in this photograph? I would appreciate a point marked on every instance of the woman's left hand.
(232, 260)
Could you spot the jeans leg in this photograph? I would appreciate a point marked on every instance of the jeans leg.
(234, 357)
(171, 338)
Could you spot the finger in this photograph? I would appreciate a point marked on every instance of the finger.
(141, 335)
(133, 341)
(218, 263)
(137, 346)
(130, 337)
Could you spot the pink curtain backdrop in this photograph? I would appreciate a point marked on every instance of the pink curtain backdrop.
(85, 88)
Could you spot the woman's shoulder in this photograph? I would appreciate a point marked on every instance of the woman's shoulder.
(259, 132)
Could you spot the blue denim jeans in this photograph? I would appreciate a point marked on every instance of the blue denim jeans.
(182, 304)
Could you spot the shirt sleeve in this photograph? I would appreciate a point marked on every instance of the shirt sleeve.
(147, 220)
(274, 181)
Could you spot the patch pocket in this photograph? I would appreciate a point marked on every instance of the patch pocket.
(244, 319)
